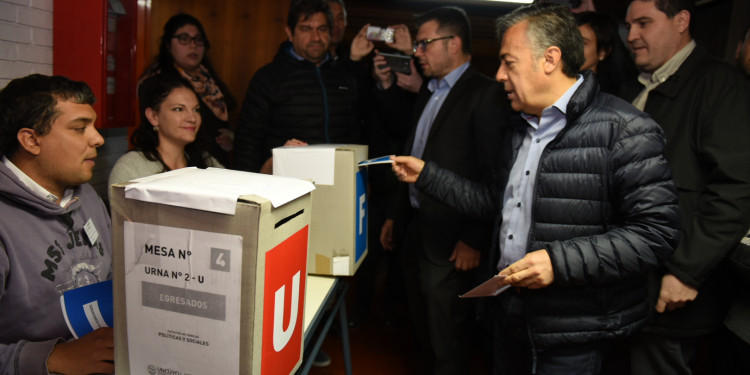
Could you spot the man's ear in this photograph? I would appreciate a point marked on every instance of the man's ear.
(682, 19)
(289, 33)
(455, 45)
(152, 116)
(27, 139)
(552, 59)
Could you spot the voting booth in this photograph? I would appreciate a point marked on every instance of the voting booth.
(338, 232)
(209, 272)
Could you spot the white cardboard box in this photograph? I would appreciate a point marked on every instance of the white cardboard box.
(205, 292)
(338, 232)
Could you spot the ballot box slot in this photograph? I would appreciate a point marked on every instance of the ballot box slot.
(288, 218)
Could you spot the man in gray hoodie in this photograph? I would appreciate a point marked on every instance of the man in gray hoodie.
(54, 229)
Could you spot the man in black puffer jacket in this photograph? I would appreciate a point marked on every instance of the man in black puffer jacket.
(303, 95)
(584, 208)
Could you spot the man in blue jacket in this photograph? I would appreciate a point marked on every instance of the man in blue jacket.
(583, 205)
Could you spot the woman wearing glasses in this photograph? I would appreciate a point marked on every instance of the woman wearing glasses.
(182, 52)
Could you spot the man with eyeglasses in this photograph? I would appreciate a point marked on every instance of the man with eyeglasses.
(457, 122)
(303, 96)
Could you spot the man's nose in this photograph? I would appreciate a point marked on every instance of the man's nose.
(501, 75)
(632, 34)
(97, 139)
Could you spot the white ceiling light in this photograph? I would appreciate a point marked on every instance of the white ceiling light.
(513, 1)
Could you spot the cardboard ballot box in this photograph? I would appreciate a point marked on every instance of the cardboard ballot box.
(338, 232)
(209, 272)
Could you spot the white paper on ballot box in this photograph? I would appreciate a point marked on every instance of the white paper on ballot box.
(214, 189)
(183, 299)
(314, 162)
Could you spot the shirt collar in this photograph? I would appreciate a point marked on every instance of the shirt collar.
(449, 80)
(297, 57)
(35, 187)
(670, 67)
(560, 105)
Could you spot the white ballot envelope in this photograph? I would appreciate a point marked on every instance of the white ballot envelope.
(486, 289)
(379, 160)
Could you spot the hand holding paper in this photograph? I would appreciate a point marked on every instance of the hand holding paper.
(407, 168)
(533, 271)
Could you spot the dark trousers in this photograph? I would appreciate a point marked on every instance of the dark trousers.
(440, 319)
(653, 354)
(731, 354)
(514, 354)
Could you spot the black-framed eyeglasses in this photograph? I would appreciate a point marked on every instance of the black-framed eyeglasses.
(422, 44)
(185, 39)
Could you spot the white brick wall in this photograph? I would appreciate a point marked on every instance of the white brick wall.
(25, 38)
(26, 48)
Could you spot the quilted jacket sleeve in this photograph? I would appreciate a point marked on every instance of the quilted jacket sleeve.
(471, 198)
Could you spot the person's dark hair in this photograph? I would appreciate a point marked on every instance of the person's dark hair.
(617, 67)
(672, 7)
(304, 9)
(164, 62)
(549, 25)
(151, 94)
(604, 27)
(451, 20)
(31, 101)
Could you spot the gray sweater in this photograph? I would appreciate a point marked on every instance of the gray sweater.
(44, 251)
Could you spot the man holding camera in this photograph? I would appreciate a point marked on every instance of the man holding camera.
(457, 122)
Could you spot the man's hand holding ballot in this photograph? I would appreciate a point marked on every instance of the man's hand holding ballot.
(407, 168)
(533, 271)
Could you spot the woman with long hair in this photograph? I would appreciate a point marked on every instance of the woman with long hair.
(165, 138)
(182, 51)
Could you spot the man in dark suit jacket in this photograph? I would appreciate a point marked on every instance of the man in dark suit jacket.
(457, 122)
(702, 105)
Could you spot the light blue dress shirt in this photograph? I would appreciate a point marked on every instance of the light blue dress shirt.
(440, 90)
(519, 193)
